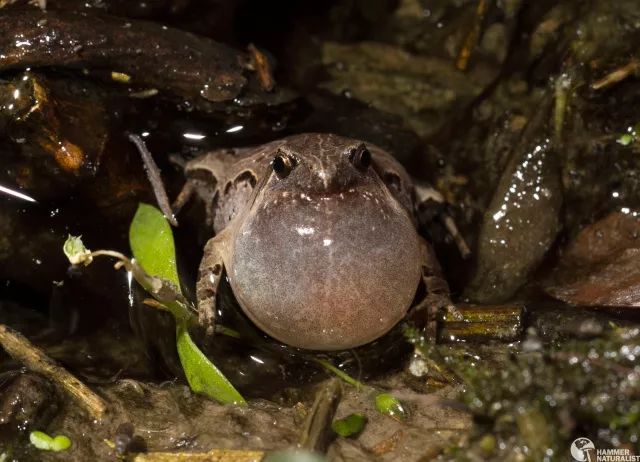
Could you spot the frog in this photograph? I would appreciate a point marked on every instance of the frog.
(317, 236)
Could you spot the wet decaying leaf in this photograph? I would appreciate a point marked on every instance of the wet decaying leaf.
(601, 267)
(522, 219)
(56, 138)
(398, 82)
(407, 69)
(152, 55)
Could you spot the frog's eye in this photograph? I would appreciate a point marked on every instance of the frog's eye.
(282, 164)
(360, 157)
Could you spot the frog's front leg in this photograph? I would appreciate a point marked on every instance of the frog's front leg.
(209, 276)
(437, 296)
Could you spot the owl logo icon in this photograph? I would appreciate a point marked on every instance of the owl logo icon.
(583, 450)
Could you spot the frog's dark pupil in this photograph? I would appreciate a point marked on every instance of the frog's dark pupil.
(282, 165)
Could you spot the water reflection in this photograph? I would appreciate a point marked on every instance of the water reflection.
(18, 194)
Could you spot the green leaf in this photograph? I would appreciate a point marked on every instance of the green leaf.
(41, 440)
(349, 426)
(203, 376)
(46, 443)
(152, 245)
(389, 405)
(60, 443)
(151, 242)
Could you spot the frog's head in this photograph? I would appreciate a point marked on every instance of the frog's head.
(327, 258)
(321, 165)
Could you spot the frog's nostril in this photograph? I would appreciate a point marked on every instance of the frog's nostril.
(360, 157)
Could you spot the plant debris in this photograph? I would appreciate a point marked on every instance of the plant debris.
(601, 267)
(152, 55)
(36, 360)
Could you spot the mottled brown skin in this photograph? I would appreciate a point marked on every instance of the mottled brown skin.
(317, 235)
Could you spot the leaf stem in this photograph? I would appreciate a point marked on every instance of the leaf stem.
(340, 373)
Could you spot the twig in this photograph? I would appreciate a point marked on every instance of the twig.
(153, 303)
(153, 173)
(217, 455)
(486, 322)
(562, 96)
(472, 37)
(20, 349)
(184, 196)
(316, 433)
(453, 231)
(163, 291)
(262, 66)
(339, 373)
(616, 76)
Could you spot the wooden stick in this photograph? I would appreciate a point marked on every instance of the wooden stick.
(262, 66)
(496, 322)
(215, 455)
(153, 173)
(316, 433)
(618, 75)
(20, 349)
(472, 36)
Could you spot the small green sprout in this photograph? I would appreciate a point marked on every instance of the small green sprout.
(76, 252)
(44, 442)
(630, 137)
(625, 139)
(351, 425)
(389, 405)
(385, 403)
